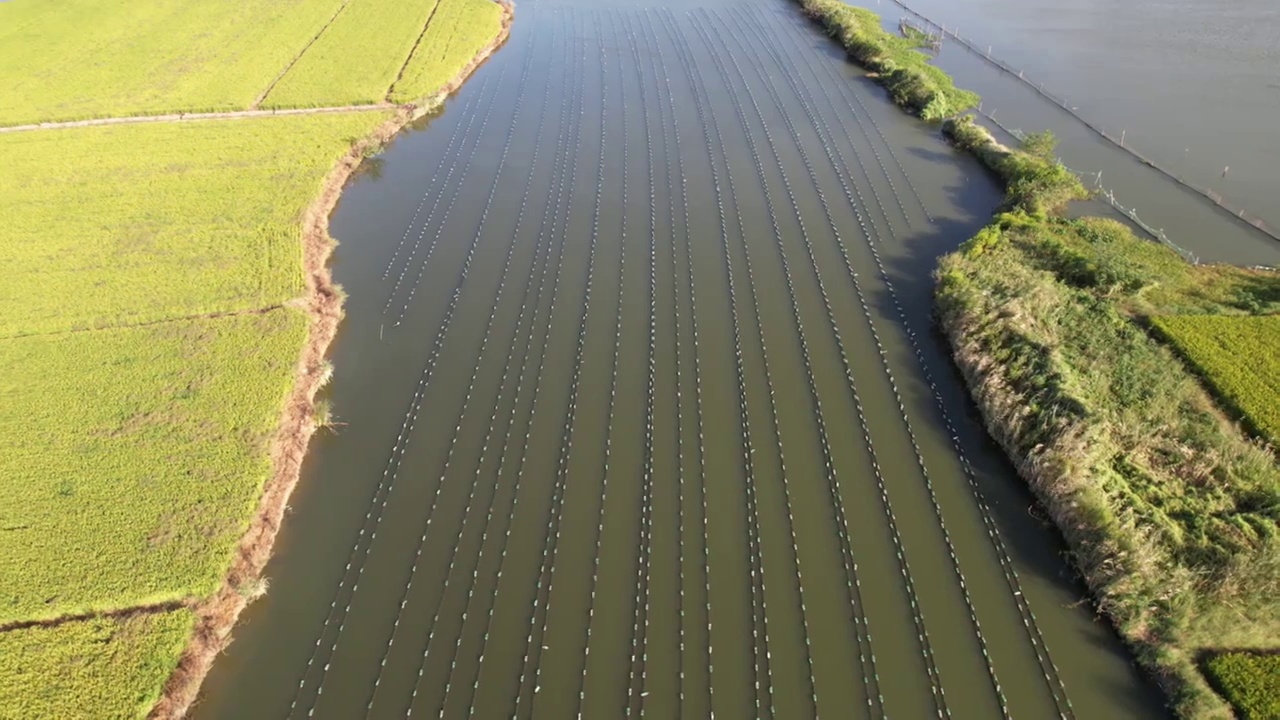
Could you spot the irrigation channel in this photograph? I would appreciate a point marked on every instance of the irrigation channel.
(645, 416)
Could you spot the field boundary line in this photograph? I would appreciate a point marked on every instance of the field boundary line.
(118, 613)
(257, 102)
(413, 50)
(148, 323)
(186, 117)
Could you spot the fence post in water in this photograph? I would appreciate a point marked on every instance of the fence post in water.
(1122, 132)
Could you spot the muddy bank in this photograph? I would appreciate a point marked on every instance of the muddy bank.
(216, 616)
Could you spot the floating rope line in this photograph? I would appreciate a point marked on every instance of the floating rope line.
(437, 179)
(862, 635)
(613, 394)
(373, 515)
(951, 550)
(759, 630)
(493, 420)
(561, 169)
(655, 54)
(804, 343)
(697, 382)
(452, 444)
(466, 166)
(637, 681)
(551, 541)
(1051, 675)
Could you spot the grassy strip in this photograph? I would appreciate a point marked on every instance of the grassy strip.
(330, 74)
(1172, 512)
(95, 668)
(1250, 681)
(457, 32)
(1239, 357)
(914, 84)
(134, 458)
(125, 224)
(78, 59)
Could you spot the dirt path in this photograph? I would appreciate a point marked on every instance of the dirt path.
(184, 117)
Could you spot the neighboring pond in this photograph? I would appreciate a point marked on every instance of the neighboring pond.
(644, 412)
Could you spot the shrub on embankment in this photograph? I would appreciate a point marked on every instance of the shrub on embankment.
(904, 71)
(1172, 511)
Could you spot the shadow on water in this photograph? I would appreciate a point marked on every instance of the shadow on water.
(1034, 542)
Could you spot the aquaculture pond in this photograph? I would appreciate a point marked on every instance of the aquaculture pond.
(641, 411)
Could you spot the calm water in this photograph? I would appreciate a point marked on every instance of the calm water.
(1194, 85)
(645, 415)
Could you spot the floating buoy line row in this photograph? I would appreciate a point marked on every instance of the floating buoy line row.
(697, 382)
(1049, 669)
(638, 675)
(759, 631)
(489, 433)
(552, 538)
(378, 502)
(950, 547)
(725, 37)
(862, 633)
(613, 381)
(846, 91)
(564, 166)
(653, 45)
(708, 40)
(466, 402)
(437, 180)
(428, 224)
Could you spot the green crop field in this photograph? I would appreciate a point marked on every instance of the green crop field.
(330, 74)
(77, 59)
(1251, 682)
(134, 457)
(145, 331)
(1239, 356)
(458, 30)
(170, 219)
(96, 668)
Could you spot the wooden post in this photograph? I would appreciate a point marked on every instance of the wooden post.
(1122, 132)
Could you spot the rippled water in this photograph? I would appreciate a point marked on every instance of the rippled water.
(645, 415)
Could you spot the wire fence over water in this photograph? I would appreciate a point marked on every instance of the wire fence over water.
(1121, 142)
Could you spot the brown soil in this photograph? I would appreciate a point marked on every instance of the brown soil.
(216, 616)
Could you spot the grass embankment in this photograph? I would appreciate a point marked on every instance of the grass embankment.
(1172, 511)
(895, 62)
(159, 283)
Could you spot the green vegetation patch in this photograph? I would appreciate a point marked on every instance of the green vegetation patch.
(458, 31)
(1035, 181)
(76, 59)
(357, 58)
(96, 668)
(1173, 515)
(134, 458)
(1250, 681)
(903, 70)
(110, 225)
(1239, 357)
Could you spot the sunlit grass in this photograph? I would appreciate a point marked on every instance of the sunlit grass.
(357, 58)
(89, 669)
(458, 31)
(75, 59)
(134, 458)
(124, 224)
